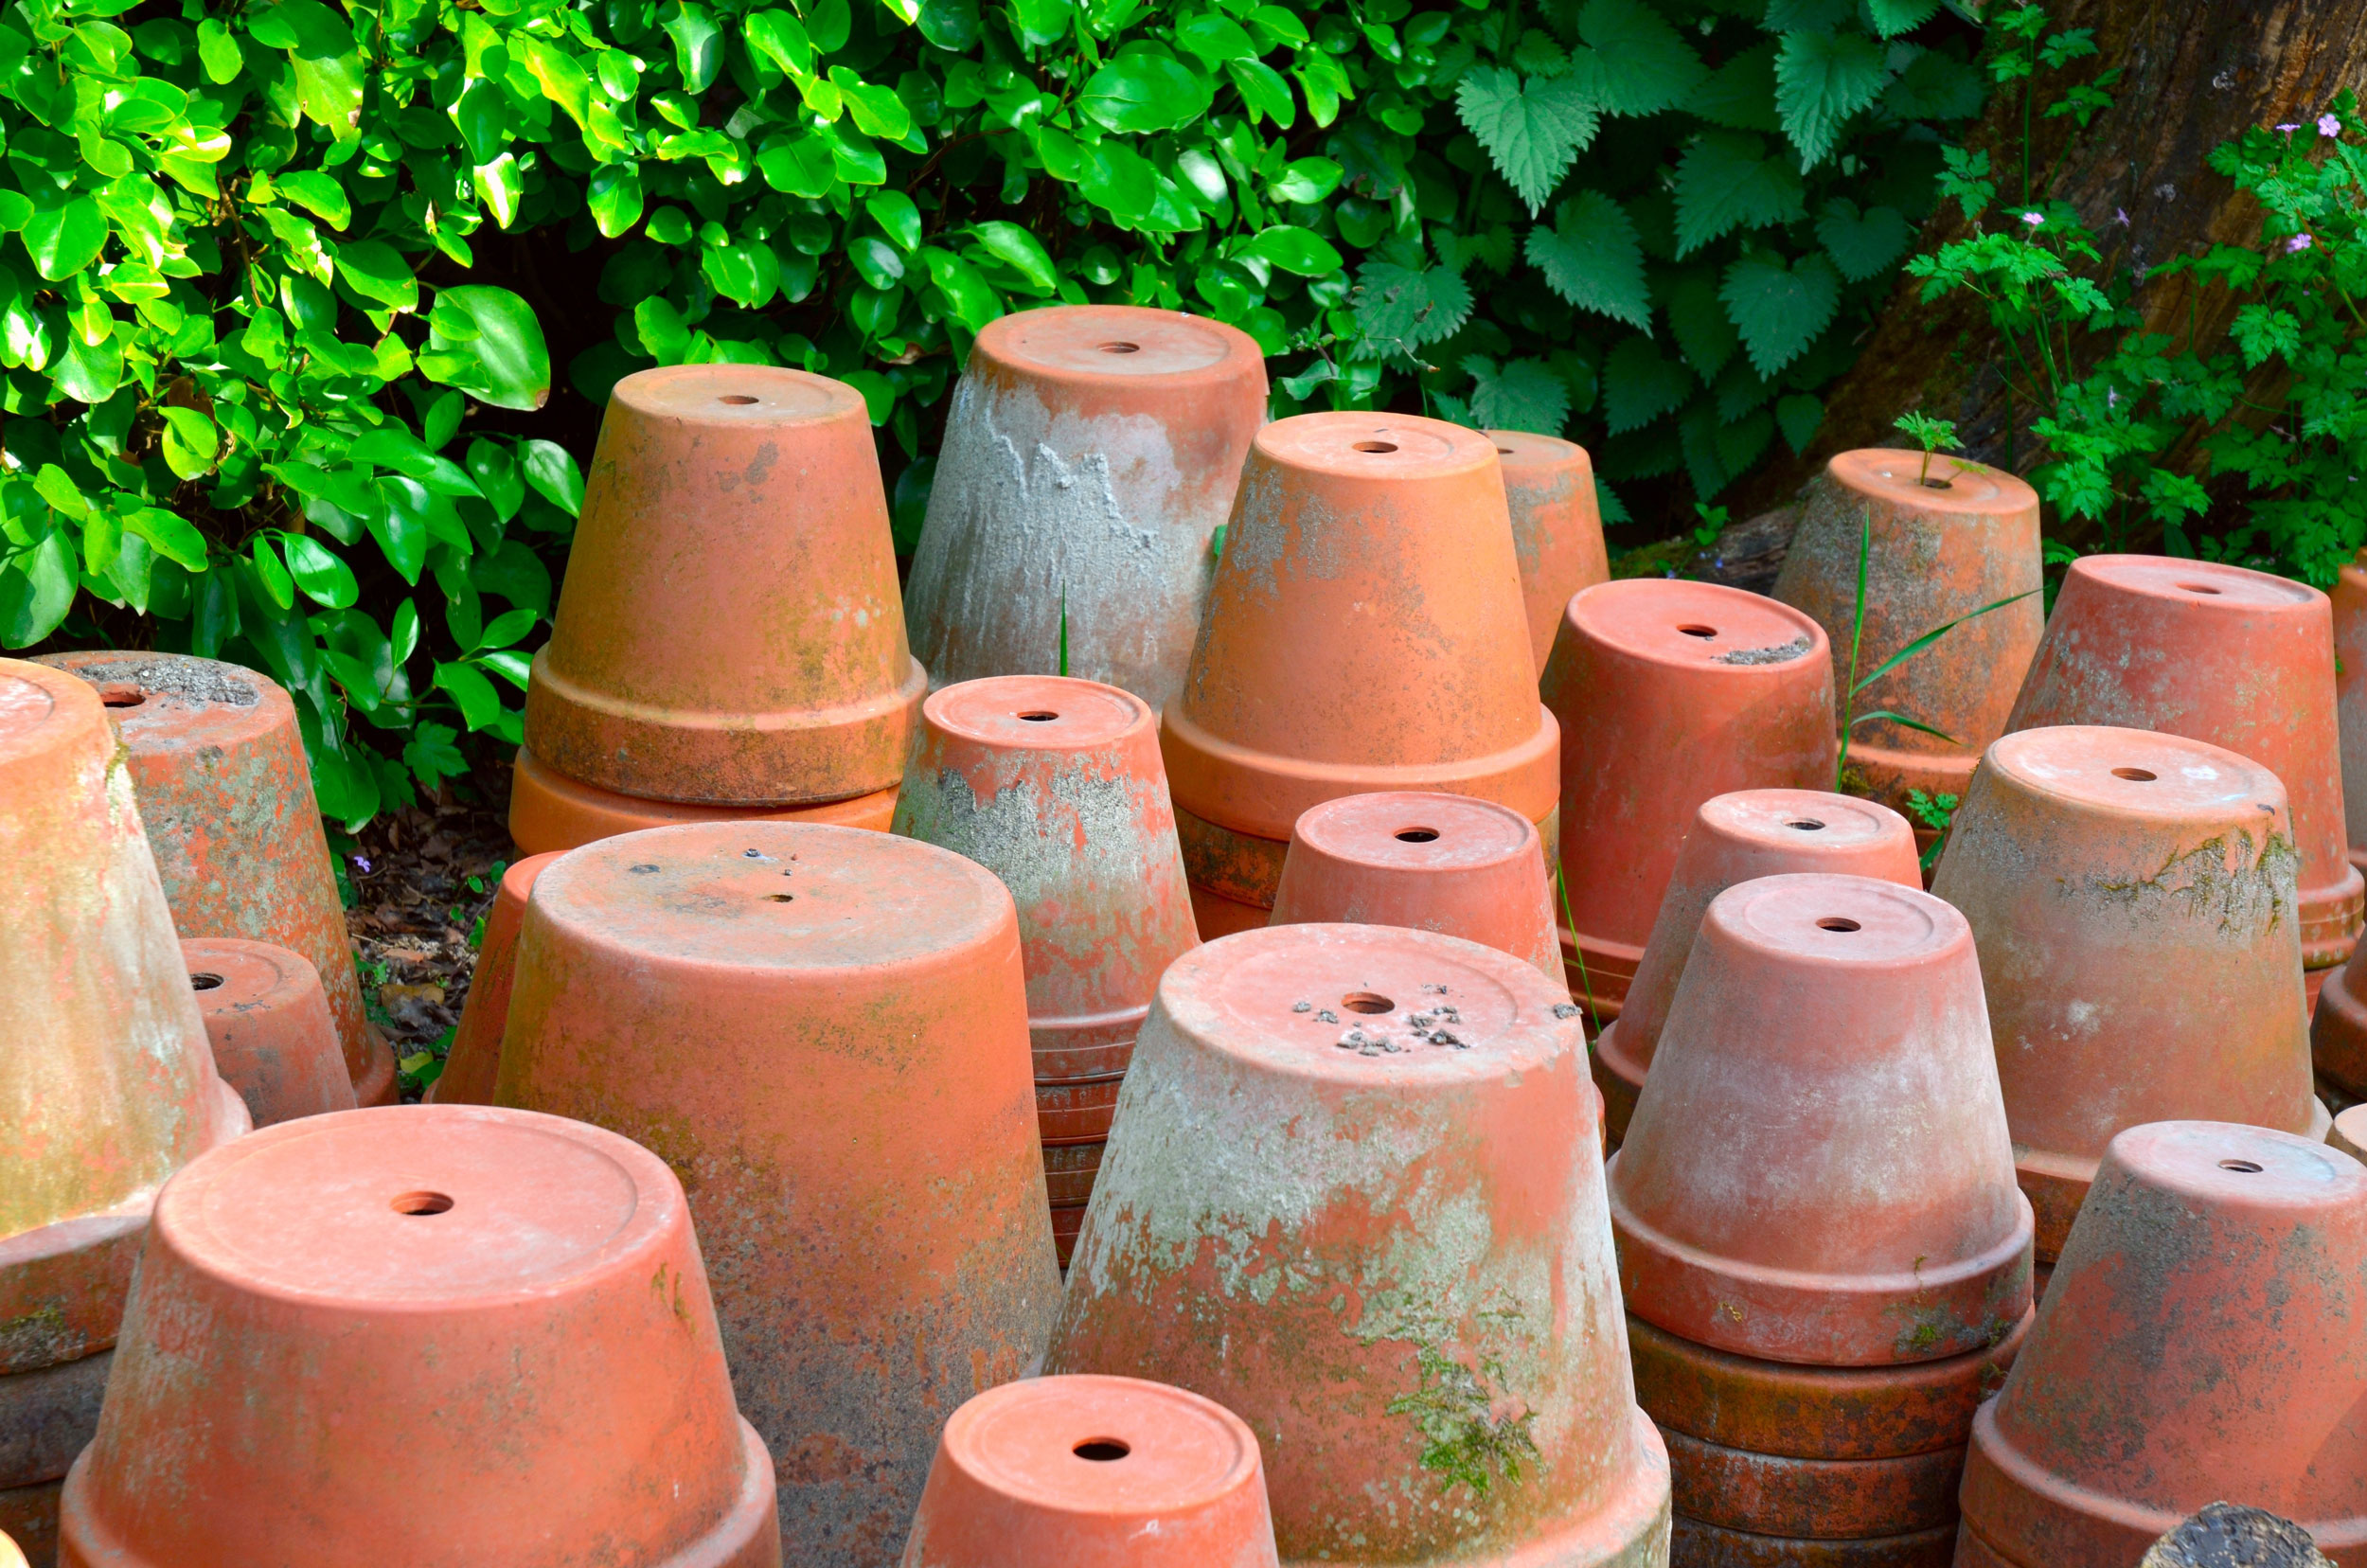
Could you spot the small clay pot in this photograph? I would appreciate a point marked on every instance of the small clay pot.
(1092, 1473)
(1078, 1111)
(1819, 1499)
(273, 1040)
(1069, 1170)
(1443, 863)
(1773, 1197)
(1695, 1544)
(1556, 527)
(550, 813)
(2338, 1028)
(223, 787)
(2349, 1133)
(473, 1063)
(2132, 897)
(2188, 1353)
(1734, 839)
(729, 632)
(1671, 693)
(1090, 457)
(512, 1303)
(2349, 604)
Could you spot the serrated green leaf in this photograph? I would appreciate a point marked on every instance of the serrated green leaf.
(1593, 259)
(1639, 386)
(1821, 80)
(1400, 309)
(1519, 395)
(1141, 93)
(1727, 181)
(1780, 310)
(1533, 130)
(1936, 86)
(1784, 16)
(1892, 17)
(1741, 94)
(1863, 244)
(1697, 321)
(1798, 415)
(1634, 61)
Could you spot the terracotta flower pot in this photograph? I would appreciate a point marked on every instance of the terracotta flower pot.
(1365, 634)
(2132, 897)
(273, 1040)
(1353, 1197)
(550, 813)
(1443, 863)
(1090, 457)
(1736, 838)
(219, 771)
(2338, 1026)
(473, 1063)
(1556, 527)
(729, 633)
(1092, 1473)
(46, 1417)
(2349, 1133)
(2349, 602)
(824, 1031)
(1076, 1111)
(1773, 1199)
(2217, 653)
(1671, 693)
(512, 1304)
(2188, 1351)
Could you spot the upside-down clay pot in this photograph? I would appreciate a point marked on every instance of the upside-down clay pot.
(2349, 1133)
(729, 632)
(550, 813)
(1090, 457)
(1365, 632)
(1736, 838)
(2338, 1026)
(1353, 1197)
(823, 1031)
(1449, 863)
(2132, 897)
(2236, 658)
(1556, 527)
(2349, 604)
(2196, 1344)
(219, 771)
(1940, 540)
(1092, 1473)
(513, 1304)
(1669, 693)
(273, 1040)
(473, 1063)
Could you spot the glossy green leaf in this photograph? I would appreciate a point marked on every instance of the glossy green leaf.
(191, 441)
(325, 578)
(318, 194)
(1022, 250)
(65, 239)
(1297, 250)
(36, 590)
(1144, 93)
(553, 473)
(480, 704)
(505, 362)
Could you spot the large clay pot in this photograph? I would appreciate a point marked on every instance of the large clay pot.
(729, 632)
(1353, 1196)
(1670, 693)
(219, 771)
(824, 1030)
(550, 813)
(1090, 457)
(1365, 632)
(1556, 527)
(269, 1025)
(2199, 1342)
(2132, 897)
(512, 1304)
(473, 1063)
(2349, 603)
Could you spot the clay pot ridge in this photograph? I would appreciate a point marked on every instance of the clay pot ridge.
(472, 1065)
(550, 813)
(268, 1022)
(1556, 527)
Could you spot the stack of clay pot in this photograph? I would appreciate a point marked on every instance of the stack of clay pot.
(729, 642)
(1365, 632)
(107, 1085)
(2349, 605)
(1556, 527)
(1056, 786)
(1090, 457)
(472, 1065)
(267, 1018)
(1821, 1289)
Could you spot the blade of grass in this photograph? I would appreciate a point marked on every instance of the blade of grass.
(1561, 886)
(1857, 638)
(1897, 717)
(1928, 638)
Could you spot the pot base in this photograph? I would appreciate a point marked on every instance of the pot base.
(550, 812)
(1696, 1545)
(1814, 1499)
(2338, 1036)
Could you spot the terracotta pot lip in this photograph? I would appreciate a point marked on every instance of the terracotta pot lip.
(1382, 828)
(1115, 347)
(1831, 919)
(1039, 713)
(1528, 450)
(1816, 818)
(738, 396)
(539, 792)
(2224, 1164)
(166, 702)
(76, 1233)
(2054, 1492)
(1131, 1414)
(1645, 619)
(245, 972)
(2144, 775)
(43, 710)
(1971, 489)
(1827, 1383)
(1610, 1050)
(1116, 1020)
(2237, 588)
(1374, 448)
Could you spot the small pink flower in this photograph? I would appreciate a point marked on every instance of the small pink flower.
(2289, 129)
(2120, 216)
(2034, 220)
(2299, 242)
(2329, 125)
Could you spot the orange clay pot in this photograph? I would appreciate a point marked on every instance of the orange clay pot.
(1556, 527)
(219, 771)
(729, 633)
(1695, 1544)
(2198, 1343)
(1449, 863)
(550, 813)
(1090, 457)
(2349, 601)
(1092, 1473)
(2217, 653)
(1770, 1200)
(1670, 693)
(824, 1031)
(475, 1062)
(273, 1040)
(46, 1417)
(2338, 1026)
(1354, 1198)
(1736, 838)
(2349, 1133)
(513, 1304)
(1940, 541)
(1365, 634)
(2132, 896)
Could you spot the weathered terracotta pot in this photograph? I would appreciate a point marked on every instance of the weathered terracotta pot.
(1365, 632)
(473, 1065)
(1695, 1544)
(2187, 1352)
(824, 1031)
(2349, 603)
(512, 1303)
(1092, 1473)
(2132, 897)
(550, 813)
(1771, 1199)
(2338, 1026)
(2217, 653)
(2349, 1133)
(1556, 527)
(46, 1417)
(219, 771)
(1671, 693)
(1736, 838)
(273, 1040)
(1090, 457)
(1069, 1172)
(1443, 863)
(729, 632)
(1078, 1111)
(1353, 1197)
